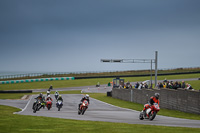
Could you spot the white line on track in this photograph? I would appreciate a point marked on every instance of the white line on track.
(24, 107)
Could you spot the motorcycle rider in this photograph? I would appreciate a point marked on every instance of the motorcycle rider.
(153, 99)
(59, 98)
(84, 98)
(50, 88)
(49, 98)
(56, 94)
(41, 98)
(48, 92)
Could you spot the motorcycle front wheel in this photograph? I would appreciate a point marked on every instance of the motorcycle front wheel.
(152, 116)
(49, 106)
(35, 108)
(84, 109)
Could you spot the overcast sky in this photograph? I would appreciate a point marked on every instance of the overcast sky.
(73, 35)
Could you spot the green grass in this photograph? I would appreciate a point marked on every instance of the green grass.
(13, 95)
(85, 82)
(13, 123)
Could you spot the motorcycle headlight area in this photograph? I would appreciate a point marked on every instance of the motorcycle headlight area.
(148, 110)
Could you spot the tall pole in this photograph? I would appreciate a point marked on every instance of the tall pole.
(156, 63)
(151, 74)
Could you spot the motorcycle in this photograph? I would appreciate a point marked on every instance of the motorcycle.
(37, 105)
(59, 104)
(49, 104)
(48, 92)
(150, 113)
(56, 96)
(83, 107)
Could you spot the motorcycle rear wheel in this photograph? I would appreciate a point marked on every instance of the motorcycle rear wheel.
(79, 112)
(141, 117)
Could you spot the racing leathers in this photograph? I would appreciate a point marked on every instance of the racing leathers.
(84, 98)
(41, 99)
(152, 100)
(49, 98)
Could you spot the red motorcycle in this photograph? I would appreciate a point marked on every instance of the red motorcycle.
(150, 113)
(49, 104)
(83, 107)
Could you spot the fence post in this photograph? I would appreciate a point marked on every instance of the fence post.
(131, 95)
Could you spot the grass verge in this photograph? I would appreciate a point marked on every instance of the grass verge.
(13, 123)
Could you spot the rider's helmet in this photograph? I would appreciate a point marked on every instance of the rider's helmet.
(87, 96)
(41, 95)
(48, 96)
(157, 95)
(60, 96)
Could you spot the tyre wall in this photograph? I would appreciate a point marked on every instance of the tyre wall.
(35, 80)
(182, 100)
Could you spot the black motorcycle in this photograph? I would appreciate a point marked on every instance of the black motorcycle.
(36, 106)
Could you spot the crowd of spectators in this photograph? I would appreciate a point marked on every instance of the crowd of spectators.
(174, 85)
(164, 84)
(137, 85)
(141, 85)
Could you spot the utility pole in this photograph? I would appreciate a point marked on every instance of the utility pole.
(156, 66)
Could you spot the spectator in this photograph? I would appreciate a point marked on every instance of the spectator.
(140, 86)
(175, 85)
(179, 84)
(128, 85)
(137, 85)
(165, 80)
(189, 87)
(170, 86)
(159, 85)
(167, 84)
(183, 85)
(145, 86)
(164, 84)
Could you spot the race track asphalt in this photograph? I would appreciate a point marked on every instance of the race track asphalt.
(97, 111)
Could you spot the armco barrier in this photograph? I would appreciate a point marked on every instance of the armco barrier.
(17, 91)
(182, 100)
(35, 80)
